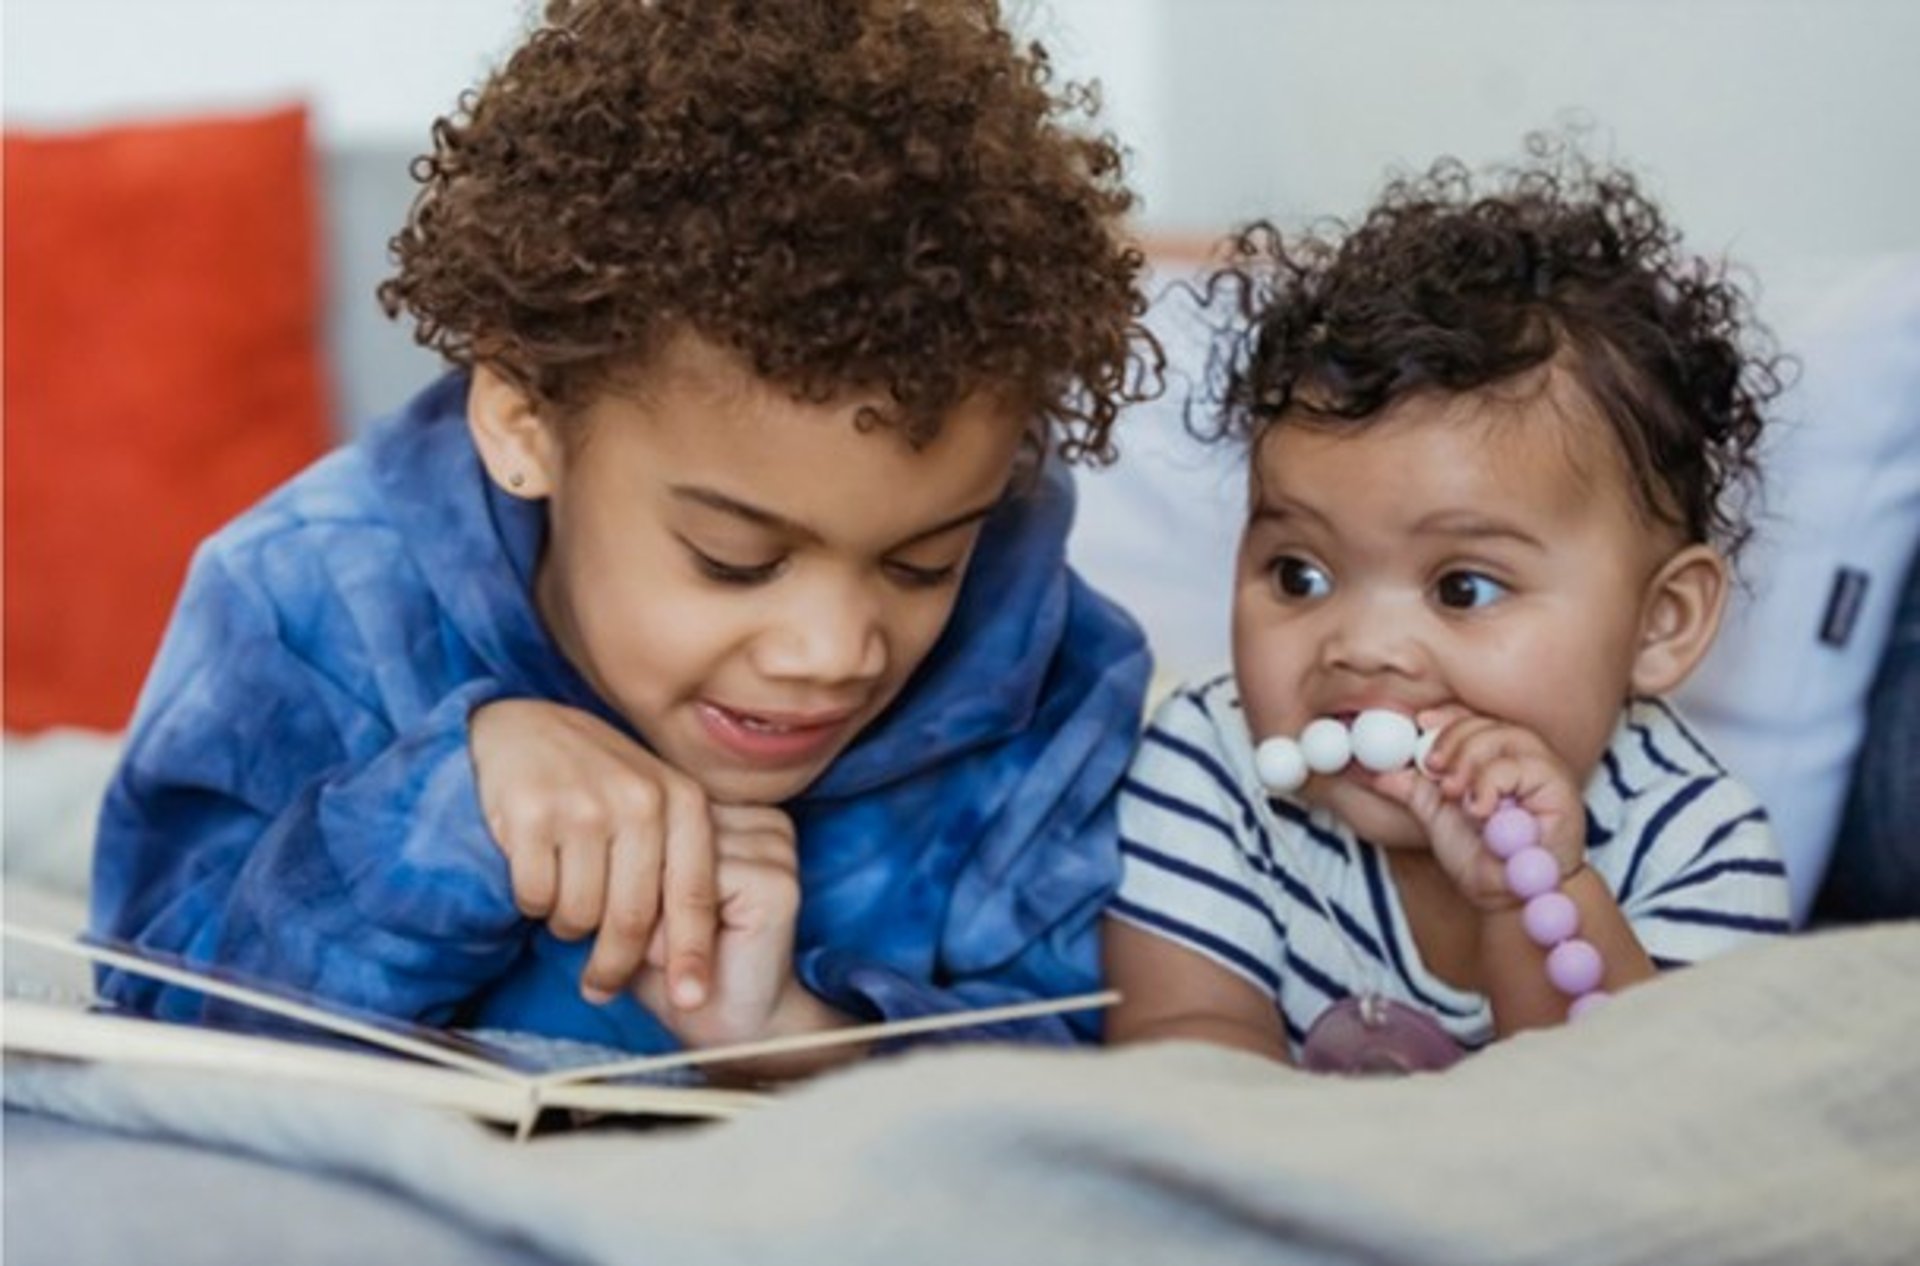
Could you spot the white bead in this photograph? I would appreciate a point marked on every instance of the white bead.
(1422, 748)
(1282, 769)
(1383, 740)
(1326, 746)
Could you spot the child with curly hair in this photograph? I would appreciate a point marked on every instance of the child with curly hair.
(1495, 437)
(697, 662)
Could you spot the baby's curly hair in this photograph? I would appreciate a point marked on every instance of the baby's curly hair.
(1450, 285)
(878, 195)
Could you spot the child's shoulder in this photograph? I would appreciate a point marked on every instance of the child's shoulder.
(318, 508)
(361, 510)
(413, 454)
(1198, 721)
(1210, 701)
(1655, 742)
(1659, 781)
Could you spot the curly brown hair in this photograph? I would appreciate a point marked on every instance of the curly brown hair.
(1451, 285)
(873, 195)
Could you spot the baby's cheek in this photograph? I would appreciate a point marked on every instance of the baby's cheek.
(1265, 694)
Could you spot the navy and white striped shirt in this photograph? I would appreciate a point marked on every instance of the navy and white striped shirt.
(1288, 898)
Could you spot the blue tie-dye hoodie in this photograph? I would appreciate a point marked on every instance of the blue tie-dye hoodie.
(297, 801)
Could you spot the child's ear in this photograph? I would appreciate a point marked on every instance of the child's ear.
(1679, 618)
(518, 448)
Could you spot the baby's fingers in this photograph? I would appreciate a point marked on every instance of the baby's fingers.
(1407, 788)
(1454, 730)
(1453, 834)
(1474, 748)
(1541, 789)
(1502, 778)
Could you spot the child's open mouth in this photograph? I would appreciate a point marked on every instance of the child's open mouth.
(772, 739)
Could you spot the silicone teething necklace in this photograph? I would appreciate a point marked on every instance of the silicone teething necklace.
(1371, 1033)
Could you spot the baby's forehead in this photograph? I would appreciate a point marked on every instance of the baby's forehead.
(1542, 439)
(1548, 404)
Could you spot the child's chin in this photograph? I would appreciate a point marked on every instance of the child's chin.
(735, 785)
(1373, 817)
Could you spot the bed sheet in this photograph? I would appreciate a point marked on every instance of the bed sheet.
(1758, 1108)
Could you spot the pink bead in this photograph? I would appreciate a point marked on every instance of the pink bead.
(1531, 872)
(1510, 830)
(1574, 967)
(1550, 918)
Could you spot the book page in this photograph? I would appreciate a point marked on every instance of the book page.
(550, 1069)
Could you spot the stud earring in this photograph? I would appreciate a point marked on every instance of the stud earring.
(516, 481)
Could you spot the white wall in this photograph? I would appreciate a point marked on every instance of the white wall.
(1775, 128)
(372, 69)
(1773, 112)
(382, 69)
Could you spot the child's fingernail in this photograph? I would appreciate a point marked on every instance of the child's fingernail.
(688, 992)
(596, 995)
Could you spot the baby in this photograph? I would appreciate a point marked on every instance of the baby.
(1493, 437)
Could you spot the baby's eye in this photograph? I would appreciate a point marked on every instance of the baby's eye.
(1295, 577)
(1465, 590)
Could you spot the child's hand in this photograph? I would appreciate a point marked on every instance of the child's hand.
(753, 981)
(1475, 763)
(600, 836)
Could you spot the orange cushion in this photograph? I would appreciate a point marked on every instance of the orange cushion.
(163, 370)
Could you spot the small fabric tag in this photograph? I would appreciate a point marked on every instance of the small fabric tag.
(1843, 606)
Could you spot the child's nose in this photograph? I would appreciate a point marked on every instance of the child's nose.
(1374, 638)
(830, 635)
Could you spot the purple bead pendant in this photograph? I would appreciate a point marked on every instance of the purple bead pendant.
(1368, 1034)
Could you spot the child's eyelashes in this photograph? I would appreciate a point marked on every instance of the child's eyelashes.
(734, 574)
(906, 575)
(1463, 590)
(911, 577)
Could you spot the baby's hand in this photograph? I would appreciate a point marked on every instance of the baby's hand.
(600, 836)
(759, 886)
(1475, 763)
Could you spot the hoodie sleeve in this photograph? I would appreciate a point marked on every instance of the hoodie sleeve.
(277, 816)
(1022, 919)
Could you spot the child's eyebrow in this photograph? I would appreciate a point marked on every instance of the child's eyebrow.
(762, 517)
(1470, 524)
(1283, 508)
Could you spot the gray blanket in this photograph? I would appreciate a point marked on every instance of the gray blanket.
(1763, 1108)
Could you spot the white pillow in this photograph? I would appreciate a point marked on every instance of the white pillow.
(1157, 530)
(1783, 695)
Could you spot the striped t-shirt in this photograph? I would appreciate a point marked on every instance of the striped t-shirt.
(1288, 898)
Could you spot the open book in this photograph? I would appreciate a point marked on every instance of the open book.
(506, 1078)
